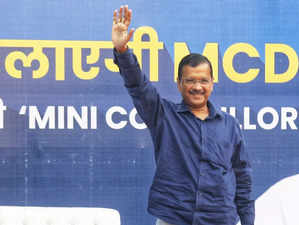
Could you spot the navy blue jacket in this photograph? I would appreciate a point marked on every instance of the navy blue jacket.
(203, 174)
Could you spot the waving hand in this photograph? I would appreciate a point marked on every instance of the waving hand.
(120, 34)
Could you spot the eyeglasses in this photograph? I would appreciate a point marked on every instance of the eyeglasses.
(192, 82)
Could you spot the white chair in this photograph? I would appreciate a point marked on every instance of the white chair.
(23, 215)
(279, 204)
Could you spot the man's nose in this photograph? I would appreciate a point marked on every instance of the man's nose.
(197, 86)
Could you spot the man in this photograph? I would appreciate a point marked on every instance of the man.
(203, 176)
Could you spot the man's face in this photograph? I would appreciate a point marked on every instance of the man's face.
(196, 85)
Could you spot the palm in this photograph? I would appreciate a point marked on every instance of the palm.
(119, 34)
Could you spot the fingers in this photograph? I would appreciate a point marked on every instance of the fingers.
(123, 16)
(130, 35)
(128, 16)
(115, 17)
(120, 14)
(126, 11)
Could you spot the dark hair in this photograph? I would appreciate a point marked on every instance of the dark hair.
(193, 60)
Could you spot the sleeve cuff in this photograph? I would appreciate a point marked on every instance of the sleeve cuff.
(125, 59)
(248, 220)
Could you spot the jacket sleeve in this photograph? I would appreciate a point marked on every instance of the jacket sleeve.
(145, 96)
(243, 173)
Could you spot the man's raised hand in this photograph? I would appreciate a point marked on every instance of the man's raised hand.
(121, 22)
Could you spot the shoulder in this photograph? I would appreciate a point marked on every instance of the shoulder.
(170, 104)
(226, 117)
(173, 107)
(230, 124)
(229, 118)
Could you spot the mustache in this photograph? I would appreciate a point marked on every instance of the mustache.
(196, 92)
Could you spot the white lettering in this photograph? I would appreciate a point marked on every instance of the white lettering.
(2, 109)
(109, 115)
(35, 117)
(247, 125)
(273, 123)
(72, 115)
(285, 119)
(133, 121)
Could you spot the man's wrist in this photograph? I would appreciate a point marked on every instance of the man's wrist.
(122, 49)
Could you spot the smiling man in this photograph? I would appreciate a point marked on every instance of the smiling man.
(195, 82)
(203, 174)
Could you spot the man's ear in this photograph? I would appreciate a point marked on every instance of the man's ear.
(179, 84)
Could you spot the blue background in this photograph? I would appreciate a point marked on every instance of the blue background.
(114, 168)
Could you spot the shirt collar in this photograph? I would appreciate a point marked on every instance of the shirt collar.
(214, 112)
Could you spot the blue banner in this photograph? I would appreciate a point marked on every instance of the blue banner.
(69, 133)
